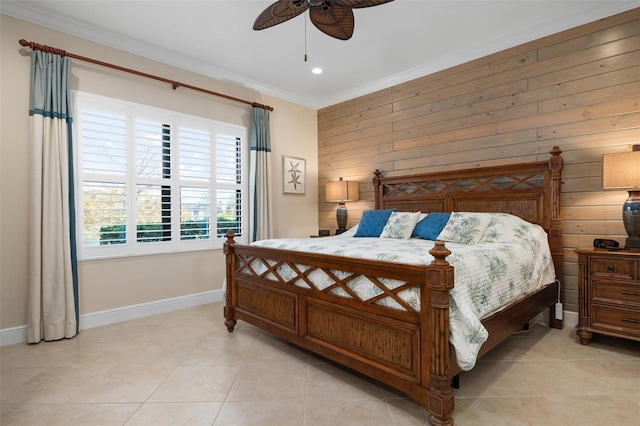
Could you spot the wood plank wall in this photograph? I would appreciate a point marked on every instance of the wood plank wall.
(578, 89)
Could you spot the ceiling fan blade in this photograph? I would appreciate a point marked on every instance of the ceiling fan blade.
(357, 4)
(335, 21)
(278, 12)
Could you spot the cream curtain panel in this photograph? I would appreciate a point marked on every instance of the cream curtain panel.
(260, 218)
(53, 289)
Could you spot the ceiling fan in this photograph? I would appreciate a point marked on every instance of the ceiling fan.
(332, 17)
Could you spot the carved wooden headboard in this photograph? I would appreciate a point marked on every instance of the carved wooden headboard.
(528, 190)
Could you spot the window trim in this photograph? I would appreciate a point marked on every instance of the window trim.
(132, 248)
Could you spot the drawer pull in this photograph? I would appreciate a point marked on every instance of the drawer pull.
(610, 268)
(630, 293)
(635, 321)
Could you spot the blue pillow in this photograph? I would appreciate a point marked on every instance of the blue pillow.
(373, 222)
(430, 227)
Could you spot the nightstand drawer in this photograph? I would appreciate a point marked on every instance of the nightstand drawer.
(613, 268)
(613, 291)
(616, 319)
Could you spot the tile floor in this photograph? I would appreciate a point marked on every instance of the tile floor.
(184, 368)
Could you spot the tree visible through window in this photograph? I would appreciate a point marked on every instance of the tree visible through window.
(152, 180)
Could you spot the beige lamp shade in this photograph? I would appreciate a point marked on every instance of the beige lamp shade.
(342, 191)
(621, 170)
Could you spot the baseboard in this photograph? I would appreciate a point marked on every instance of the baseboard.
(570, 318)
(13, 335)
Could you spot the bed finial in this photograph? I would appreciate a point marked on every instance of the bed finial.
(556, 162)
(439, 252)
(230, 241)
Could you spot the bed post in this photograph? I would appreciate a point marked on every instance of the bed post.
(440, 396)
(230, 321)
(556, 239)
(376, 188)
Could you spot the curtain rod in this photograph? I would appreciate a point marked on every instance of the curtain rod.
(174, 84)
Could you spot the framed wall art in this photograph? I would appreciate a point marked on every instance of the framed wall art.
(293, 174)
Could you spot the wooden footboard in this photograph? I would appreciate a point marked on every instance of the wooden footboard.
(407, 350)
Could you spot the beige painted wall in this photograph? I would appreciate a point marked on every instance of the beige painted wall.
(116, 283)
(578, 89)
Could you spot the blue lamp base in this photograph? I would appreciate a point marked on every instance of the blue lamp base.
(631, 220)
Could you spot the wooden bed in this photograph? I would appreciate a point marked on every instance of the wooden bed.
(407, 350)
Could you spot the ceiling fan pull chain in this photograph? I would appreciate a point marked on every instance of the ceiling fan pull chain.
(305, 39)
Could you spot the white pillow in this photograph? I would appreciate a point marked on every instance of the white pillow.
(466, 228)
(400, 225)
(505, 228)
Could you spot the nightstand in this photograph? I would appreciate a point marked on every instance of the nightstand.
(609, 293)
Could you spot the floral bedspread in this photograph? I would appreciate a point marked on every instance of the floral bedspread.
(487, 275)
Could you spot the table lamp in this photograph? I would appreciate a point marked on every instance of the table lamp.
(622, 171)
(341, 192)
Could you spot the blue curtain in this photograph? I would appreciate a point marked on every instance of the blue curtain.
(260, 217)
(53, 283)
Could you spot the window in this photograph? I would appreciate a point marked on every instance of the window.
(150, 181)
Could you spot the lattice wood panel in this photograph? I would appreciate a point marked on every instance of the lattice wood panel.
(341, 283)
(501, 183)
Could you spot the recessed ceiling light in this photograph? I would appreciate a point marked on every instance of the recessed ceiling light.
(317, 70)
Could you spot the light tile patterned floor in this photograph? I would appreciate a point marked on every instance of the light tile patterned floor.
(184, 368)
